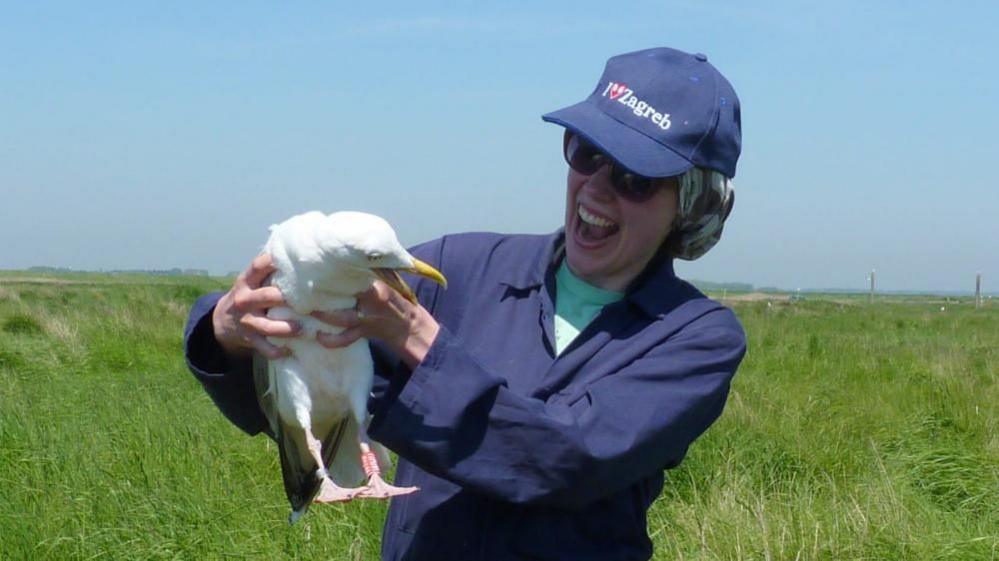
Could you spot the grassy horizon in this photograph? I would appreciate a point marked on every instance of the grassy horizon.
(853, 431)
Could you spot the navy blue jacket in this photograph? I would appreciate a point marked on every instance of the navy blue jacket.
(520, 454)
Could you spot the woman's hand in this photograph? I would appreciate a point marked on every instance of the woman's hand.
(382, 313)
(240, 318)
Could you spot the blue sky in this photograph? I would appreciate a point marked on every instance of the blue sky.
(159, 135)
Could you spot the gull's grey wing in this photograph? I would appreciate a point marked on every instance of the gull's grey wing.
(342, 454)
(266, 397)
(298, 469)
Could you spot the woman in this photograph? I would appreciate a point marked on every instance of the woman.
(537, 401)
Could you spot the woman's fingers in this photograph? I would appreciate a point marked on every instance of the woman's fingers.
(379, 295)
(384, 314)
(248, 300)
(340, 318)
(259, 269)
(339, 340)
(239, 320)
(266, 348)
(269, 327)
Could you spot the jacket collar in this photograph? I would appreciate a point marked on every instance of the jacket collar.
(658, 290)
(537, 264)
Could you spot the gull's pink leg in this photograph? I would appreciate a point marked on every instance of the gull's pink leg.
(377, 488)
(329, 492)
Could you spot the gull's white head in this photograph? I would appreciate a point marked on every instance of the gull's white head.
(363, 241)
(339, 255)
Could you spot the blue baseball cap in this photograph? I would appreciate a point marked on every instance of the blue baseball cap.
(659, 112)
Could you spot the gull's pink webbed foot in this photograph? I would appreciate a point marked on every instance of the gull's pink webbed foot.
(330, 492)
(377, 488)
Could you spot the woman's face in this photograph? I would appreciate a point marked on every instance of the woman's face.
(608, 239)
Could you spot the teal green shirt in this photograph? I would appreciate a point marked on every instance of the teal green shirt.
(576, 304)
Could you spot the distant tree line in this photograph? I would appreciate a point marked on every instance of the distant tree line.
(175, 272)
(720, 286)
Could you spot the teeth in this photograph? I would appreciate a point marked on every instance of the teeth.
(593, 219)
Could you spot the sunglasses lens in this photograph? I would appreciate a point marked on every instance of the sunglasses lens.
(583, 156)
(635, 188)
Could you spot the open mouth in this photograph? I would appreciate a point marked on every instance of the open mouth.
(592, 227)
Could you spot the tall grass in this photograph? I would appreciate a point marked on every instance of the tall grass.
(852, 432)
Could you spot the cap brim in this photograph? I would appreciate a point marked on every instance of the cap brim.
(630, 148)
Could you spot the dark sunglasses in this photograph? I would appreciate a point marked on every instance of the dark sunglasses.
(586, 159)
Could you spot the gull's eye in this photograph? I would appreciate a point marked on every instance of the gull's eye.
(374, 256)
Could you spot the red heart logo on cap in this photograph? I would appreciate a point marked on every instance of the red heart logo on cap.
(616, 90)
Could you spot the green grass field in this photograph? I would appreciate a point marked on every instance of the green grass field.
(853, 431)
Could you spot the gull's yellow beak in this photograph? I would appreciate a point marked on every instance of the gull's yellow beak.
(391, 277)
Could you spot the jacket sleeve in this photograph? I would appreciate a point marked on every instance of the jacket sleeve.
(457, 419)
(229, 382)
